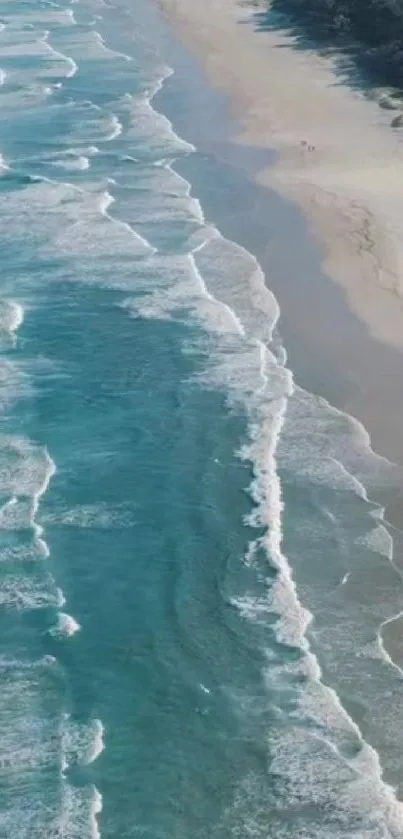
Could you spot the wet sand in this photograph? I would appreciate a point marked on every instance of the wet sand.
(332, 246)
(333, 350)
(339, 158)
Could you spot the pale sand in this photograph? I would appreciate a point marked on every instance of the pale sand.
(350, 186)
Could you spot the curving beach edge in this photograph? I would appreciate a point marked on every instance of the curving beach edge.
(339, 156)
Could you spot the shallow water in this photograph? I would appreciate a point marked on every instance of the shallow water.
(187, 539)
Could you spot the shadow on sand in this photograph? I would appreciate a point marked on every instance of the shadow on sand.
(363, 37)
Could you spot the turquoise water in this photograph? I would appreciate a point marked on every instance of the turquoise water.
(194, 583)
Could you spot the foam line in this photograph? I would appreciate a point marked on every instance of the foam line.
(107, 200)
(102, 43)
(116, 129)
(73, 67)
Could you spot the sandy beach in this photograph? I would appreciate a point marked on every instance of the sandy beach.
(338, 156)
(338, 160)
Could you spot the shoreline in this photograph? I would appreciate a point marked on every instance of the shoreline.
(337, 153)
(352, 358)
(330, 351)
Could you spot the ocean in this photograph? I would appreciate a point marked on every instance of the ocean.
(198, 588)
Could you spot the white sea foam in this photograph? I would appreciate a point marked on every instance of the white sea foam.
(16, 514)
(81, 807)
(167, 211)
(98, 516)
(88, 125)
(315, 444)
(15, 316)
(150, 133)
(73, 163)
(65, 626)
(11, 318)
(160, 76)
(254, 376)
(237, 283)
(194, 205)
(378, 540)
(34, 731)
(49, 14)
(25, 472)
(70, 14)
(116, 128)
(82, 742)
(96, 809)
(39, 591)
(177, 290)
(66, 59)
(30, 744)
(222, 289)
(78, 158)
(166, 196)
(98, 37)
(107, 200)
(383, 652)
(79, 223)
(235, 277)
